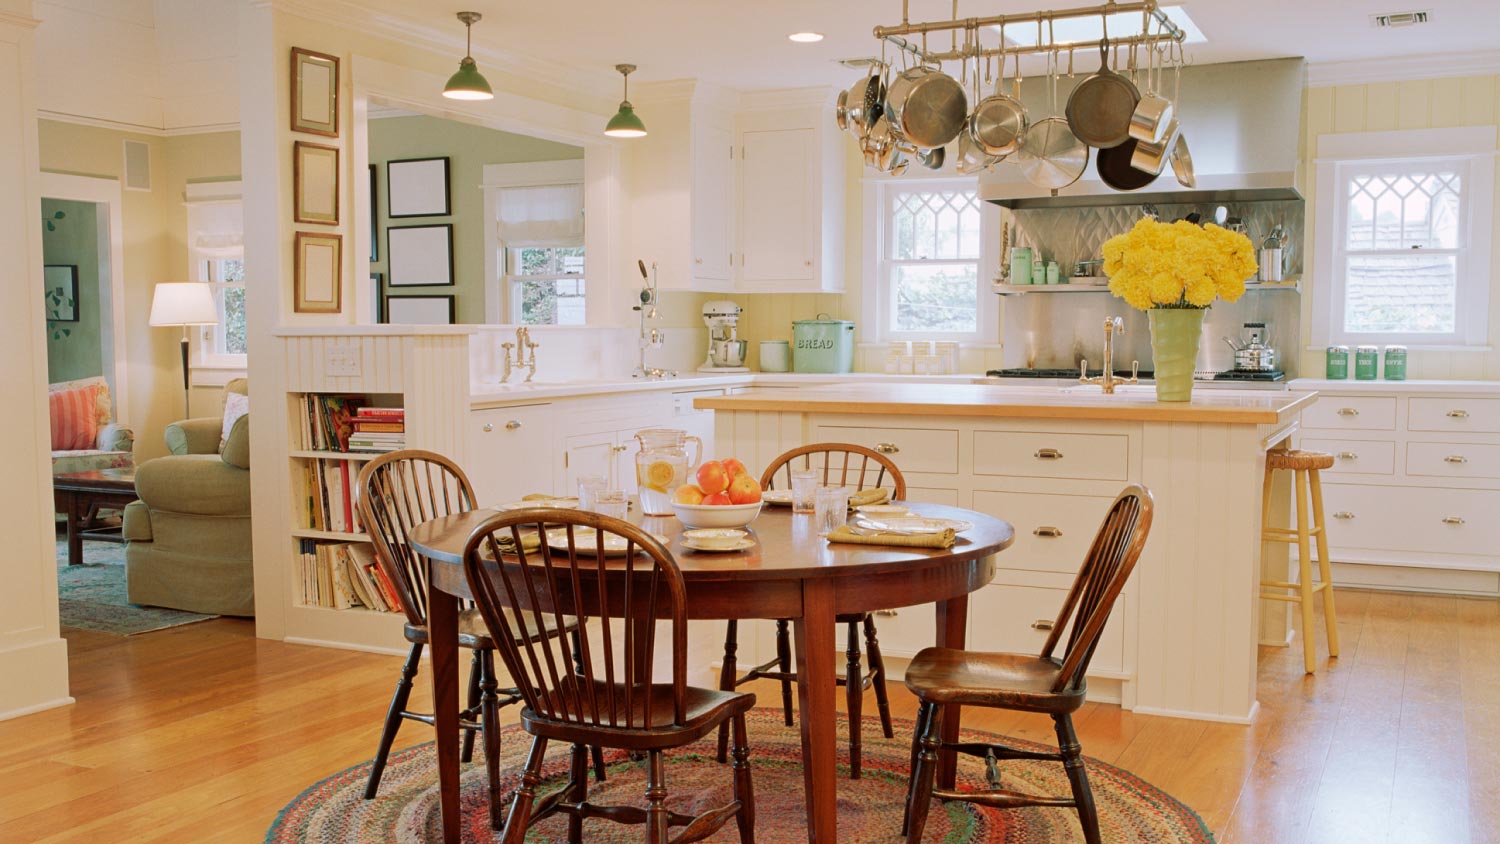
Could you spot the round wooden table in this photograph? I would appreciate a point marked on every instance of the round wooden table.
(791, 573)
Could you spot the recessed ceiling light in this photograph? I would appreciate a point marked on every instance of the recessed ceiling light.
(806, 37)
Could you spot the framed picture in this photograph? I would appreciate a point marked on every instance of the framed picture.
(374, 220)
(419, 256)
(315, 93)
(377, 300)
(62, 292)
(315, 183)
(316, 283)
(417, 187)
(419, 310)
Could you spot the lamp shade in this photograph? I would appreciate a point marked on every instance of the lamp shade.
(625, 123)
(468, 83)
(183, 303)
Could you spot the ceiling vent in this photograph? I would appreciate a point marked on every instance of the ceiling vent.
(1399, 19)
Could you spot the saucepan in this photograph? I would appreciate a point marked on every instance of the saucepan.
(927, 106)
(1153, 114)
(999, 122)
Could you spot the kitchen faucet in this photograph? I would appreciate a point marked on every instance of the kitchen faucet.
(522, 344)
(1107, 381)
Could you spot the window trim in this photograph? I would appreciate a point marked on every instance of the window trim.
(875, 310)
(216, 368)
(1470, 148)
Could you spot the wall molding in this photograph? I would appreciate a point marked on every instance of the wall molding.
(134, 128)
(1403, 68)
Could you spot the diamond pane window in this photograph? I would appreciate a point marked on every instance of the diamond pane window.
(931, 262)
(1404, 210)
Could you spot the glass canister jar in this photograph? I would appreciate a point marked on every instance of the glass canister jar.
(662, 465)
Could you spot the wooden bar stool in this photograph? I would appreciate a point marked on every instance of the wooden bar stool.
(1305, 465)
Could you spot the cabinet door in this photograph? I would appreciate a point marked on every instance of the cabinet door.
(588, 454)
(778, 205)
(626, 448)
(713, 194)
(511, 453)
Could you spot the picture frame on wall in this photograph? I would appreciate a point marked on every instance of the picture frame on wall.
(317, 283)
(418, 187)
(419, 310)
(376, 314)
(315, 93)
(62, 292)
(374, 219)
(419, 256)
(315, 183)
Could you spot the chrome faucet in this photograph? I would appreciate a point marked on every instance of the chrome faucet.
(522, 345)
(1107, 380)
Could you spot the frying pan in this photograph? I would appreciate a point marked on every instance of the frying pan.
(841, 111)
(999, 122)
(1099, 109)
(1182, 163)
(1051, 156)
(1114, 167)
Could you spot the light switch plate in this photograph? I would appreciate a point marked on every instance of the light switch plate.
(342, 360)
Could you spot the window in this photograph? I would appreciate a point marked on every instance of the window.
(1396, 242)
(534, 245)
(930, 251)
(227, 275)
(546, 285)
(216, 256)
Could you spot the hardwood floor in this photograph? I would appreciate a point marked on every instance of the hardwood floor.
(202, 733)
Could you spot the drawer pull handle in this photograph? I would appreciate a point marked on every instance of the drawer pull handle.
(1048, 531)
(1453, 520)
(1348, 411)
(886, 613)
(1348, 455)
(513, 425)
(488, 427)
(1048, 454)
(886, 448)
(618, 448)
(1343, 514)
(1043, 624)
(1455, 458)
(1458, 414)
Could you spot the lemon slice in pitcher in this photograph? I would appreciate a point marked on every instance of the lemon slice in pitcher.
(659, 476)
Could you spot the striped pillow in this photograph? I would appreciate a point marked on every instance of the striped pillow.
(75, 424)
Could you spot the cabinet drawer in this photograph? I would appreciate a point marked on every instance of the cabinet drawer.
(1357, 457)
(1039, 454)
(933, 450)
(1417, 519)
(1017, 619)
(1053, 532)
(1480, 416)
(1453, 460)
(1354, 413)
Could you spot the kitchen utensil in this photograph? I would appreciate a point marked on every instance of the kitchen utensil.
(1115, 170)
(866, 99)
(932, 159)
(1051, 156)
(662, 465)
(999, 122)
(841, 111)
(1182, 162)
(1151, 157)
(1271, 255)
(1099, 109)
(927, 106)
(1153, 114)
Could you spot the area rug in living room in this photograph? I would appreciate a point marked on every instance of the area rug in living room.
(91, 595)
(406, 809)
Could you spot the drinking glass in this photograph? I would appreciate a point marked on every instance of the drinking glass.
(804, 481)
(588, 485)
(830, 508)
(611, 502)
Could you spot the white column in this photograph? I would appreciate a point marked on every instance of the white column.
(33, 656)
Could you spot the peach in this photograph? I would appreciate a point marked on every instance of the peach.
(718, 499)
(688, 494)
(734, 467)
(744, 489)
(713, 477)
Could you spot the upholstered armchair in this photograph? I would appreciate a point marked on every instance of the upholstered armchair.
(188, 537)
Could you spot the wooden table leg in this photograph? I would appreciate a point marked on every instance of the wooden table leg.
(952, 625)
(816, 684)
(76, 509)
(442, 631)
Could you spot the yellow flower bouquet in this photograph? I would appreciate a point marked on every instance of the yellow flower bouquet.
(1177, 265)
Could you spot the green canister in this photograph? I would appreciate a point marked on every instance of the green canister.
(1395, 363)
(1338, 363)
(1366, 362)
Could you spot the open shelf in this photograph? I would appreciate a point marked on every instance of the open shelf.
(1293, 283)
(337, 536)
(336, 455)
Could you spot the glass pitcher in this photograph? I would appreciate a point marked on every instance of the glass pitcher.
(662, 465)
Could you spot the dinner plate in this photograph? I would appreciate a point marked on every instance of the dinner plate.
(741, 545)
(777, 497)
(883, 511)
(543, 503)
(585, 540)
(914, 524)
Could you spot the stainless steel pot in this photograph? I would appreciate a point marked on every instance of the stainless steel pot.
(999, 121)
(927, 106)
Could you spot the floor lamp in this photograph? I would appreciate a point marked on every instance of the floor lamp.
(183, 304)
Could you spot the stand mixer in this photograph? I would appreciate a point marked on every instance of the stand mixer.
(726, 351)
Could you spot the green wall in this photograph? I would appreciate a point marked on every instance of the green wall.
(74, 239)
(468, 148)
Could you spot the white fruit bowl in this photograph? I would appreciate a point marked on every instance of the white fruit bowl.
(716, 515)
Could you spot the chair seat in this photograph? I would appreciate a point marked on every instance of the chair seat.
(473, 634)
(1299, 459)
(705, 710)
(1011, 681)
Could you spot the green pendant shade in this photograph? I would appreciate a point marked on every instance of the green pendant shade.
(468, 83)
(625, 123)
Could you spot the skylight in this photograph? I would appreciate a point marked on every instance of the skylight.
(1121, 24)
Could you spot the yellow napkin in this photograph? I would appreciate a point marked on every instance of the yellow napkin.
(507, 543)
(925, 540)
(538, 496)
(867, 497)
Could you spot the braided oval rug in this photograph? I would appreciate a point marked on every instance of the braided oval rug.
(1131, 811)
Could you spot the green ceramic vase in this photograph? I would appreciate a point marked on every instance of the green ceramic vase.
(1174, 350)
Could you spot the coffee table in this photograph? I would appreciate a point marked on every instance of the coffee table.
(78, 495)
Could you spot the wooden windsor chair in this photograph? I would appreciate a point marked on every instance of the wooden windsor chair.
(393, 493)
(841, 464)
(942, 676)
(614, 701)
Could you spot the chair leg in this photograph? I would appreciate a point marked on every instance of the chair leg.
(1304, 575)
(656, 800)
(1330, 618)
(744, 790)
(924, 714)
(854, 688)
(520, 810)
(489, 720)
(784, 663)
(393, 719)
(578, 790)
(925, 773)
(471, 703)
(1078, 777)
(877, 670)
(727, 675)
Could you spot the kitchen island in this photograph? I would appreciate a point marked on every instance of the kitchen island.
(1183, 640)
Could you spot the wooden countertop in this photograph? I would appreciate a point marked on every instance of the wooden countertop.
(1129, 404)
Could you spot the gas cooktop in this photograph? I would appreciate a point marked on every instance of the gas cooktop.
(1059, 373)
(1243, 375)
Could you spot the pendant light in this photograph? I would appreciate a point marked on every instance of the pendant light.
(625, 123)
(468, 83)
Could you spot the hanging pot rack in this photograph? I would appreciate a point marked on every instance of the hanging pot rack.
(896, 36)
